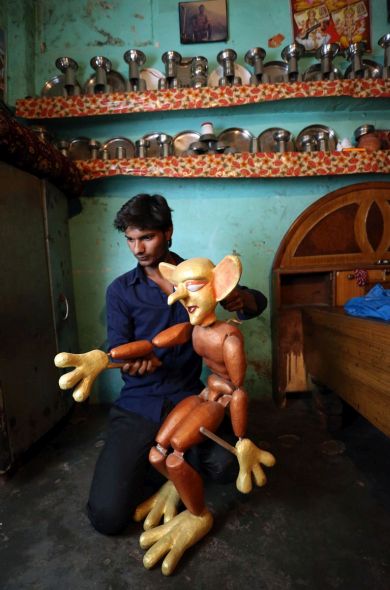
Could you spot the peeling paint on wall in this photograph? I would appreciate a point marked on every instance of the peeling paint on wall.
(110, 40)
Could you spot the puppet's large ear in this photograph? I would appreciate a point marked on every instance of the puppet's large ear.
(226, 276)
(167, 270)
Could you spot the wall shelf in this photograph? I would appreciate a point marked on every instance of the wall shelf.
(199, 98)
(242, 165)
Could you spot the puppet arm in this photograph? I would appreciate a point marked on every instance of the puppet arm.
(174, 335)
(90, 364)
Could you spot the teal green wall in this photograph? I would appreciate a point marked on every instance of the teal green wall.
(212, 217)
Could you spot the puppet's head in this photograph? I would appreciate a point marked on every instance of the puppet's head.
(199, 285)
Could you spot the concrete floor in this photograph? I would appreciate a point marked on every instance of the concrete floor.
(322, 521)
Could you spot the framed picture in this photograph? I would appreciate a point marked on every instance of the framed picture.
(316, 22)
(2, 65)
(203, 22)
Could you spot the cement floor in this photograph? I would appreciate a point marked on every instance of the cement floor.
(322, 522)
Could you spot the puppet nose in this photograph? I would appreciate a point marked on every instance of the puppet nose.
(179, 293)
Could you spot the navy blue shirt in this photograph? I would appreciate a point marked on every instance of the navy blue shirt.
(137, 309)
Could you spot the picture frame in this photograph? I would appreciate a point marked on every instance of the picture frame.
(316, 22)
(203, 22)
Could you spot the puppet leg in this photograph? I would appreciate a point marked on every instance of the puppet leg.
(157, 455)
(187, 480)
(184, 530)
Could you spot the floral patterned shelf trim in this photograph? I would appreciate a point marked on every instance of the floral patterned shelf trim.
(245, 165)
(191, 98)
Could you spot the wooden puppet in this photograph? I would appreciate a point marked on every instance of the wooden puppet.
(199, 286)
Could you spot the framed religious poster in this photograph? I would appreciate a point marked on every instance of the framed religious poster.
(203, 22)
(316, 22)
(2, 65)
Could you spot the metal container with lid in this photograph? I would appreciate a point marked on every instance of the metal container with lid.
(367, 138)
(363, 129)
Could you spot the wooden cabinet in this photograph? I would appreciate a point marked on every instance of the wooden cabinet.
(347, 285)
(317, 266)
(37, 309)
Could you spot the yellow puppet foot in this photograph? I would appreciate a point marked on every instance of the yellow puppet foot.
(163, 504)
(173, 538)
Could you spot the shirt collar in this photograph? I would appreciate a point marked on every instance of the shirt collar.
(139, 275)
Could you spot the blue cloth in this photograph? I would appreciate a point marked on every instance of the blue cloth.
(137, 309)
(375, 304)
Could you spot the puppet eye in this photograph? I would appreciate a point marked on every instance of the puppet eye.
(193, 286)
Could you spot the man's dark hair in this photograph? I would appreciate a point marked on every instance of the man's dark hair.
(144, 212)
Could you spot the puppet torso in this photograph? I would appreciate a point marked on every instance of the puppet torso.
(210, 343)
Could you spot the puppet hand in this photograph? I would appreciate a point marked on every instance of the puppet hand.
(88, 366)
(163, 503)
(173, 538)
(249, 458)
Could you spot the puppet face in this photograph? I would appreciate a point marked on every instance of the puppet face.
(199, 285)
(193, 283)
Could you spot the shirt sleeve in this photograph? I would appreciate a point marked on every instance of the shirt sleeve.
(119, 323)
(261, 304)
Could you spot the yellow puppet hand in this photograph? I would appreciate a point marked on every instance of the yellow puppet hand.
(163, 503)
(249, 458)
(88, 366)
(173, 538)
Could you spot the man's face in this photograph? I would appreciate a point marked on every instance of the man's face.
(149, 246)
(193, 282)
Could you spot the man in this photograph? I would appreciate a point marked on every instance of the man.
(201, 28)
(137, 309)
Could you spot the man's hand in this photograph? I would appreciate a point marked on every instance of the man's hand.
(240, 299)
(142, 366)
(234, 301)
(249, 458)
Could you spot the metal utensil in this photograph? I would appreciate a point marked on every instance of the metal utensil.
(320, 133)
(55, 87)
(255, 57)
(384, 42)
(141, 145)
(182, 142)
(199, 69)
(119, 148)
(102, 65)
(281, 137)
(326, 54)
(68, 67)
(135, 58)
(267, 142)
(226, 59)
(291, 54)
(360, 68)
(79, 148)
(238, 139)
(165, 143)
(171, 59)
(275, 71)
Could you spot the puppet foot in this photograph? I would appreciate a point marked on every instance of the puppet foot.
(249, 458)
(163, 503)
(173, 538)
